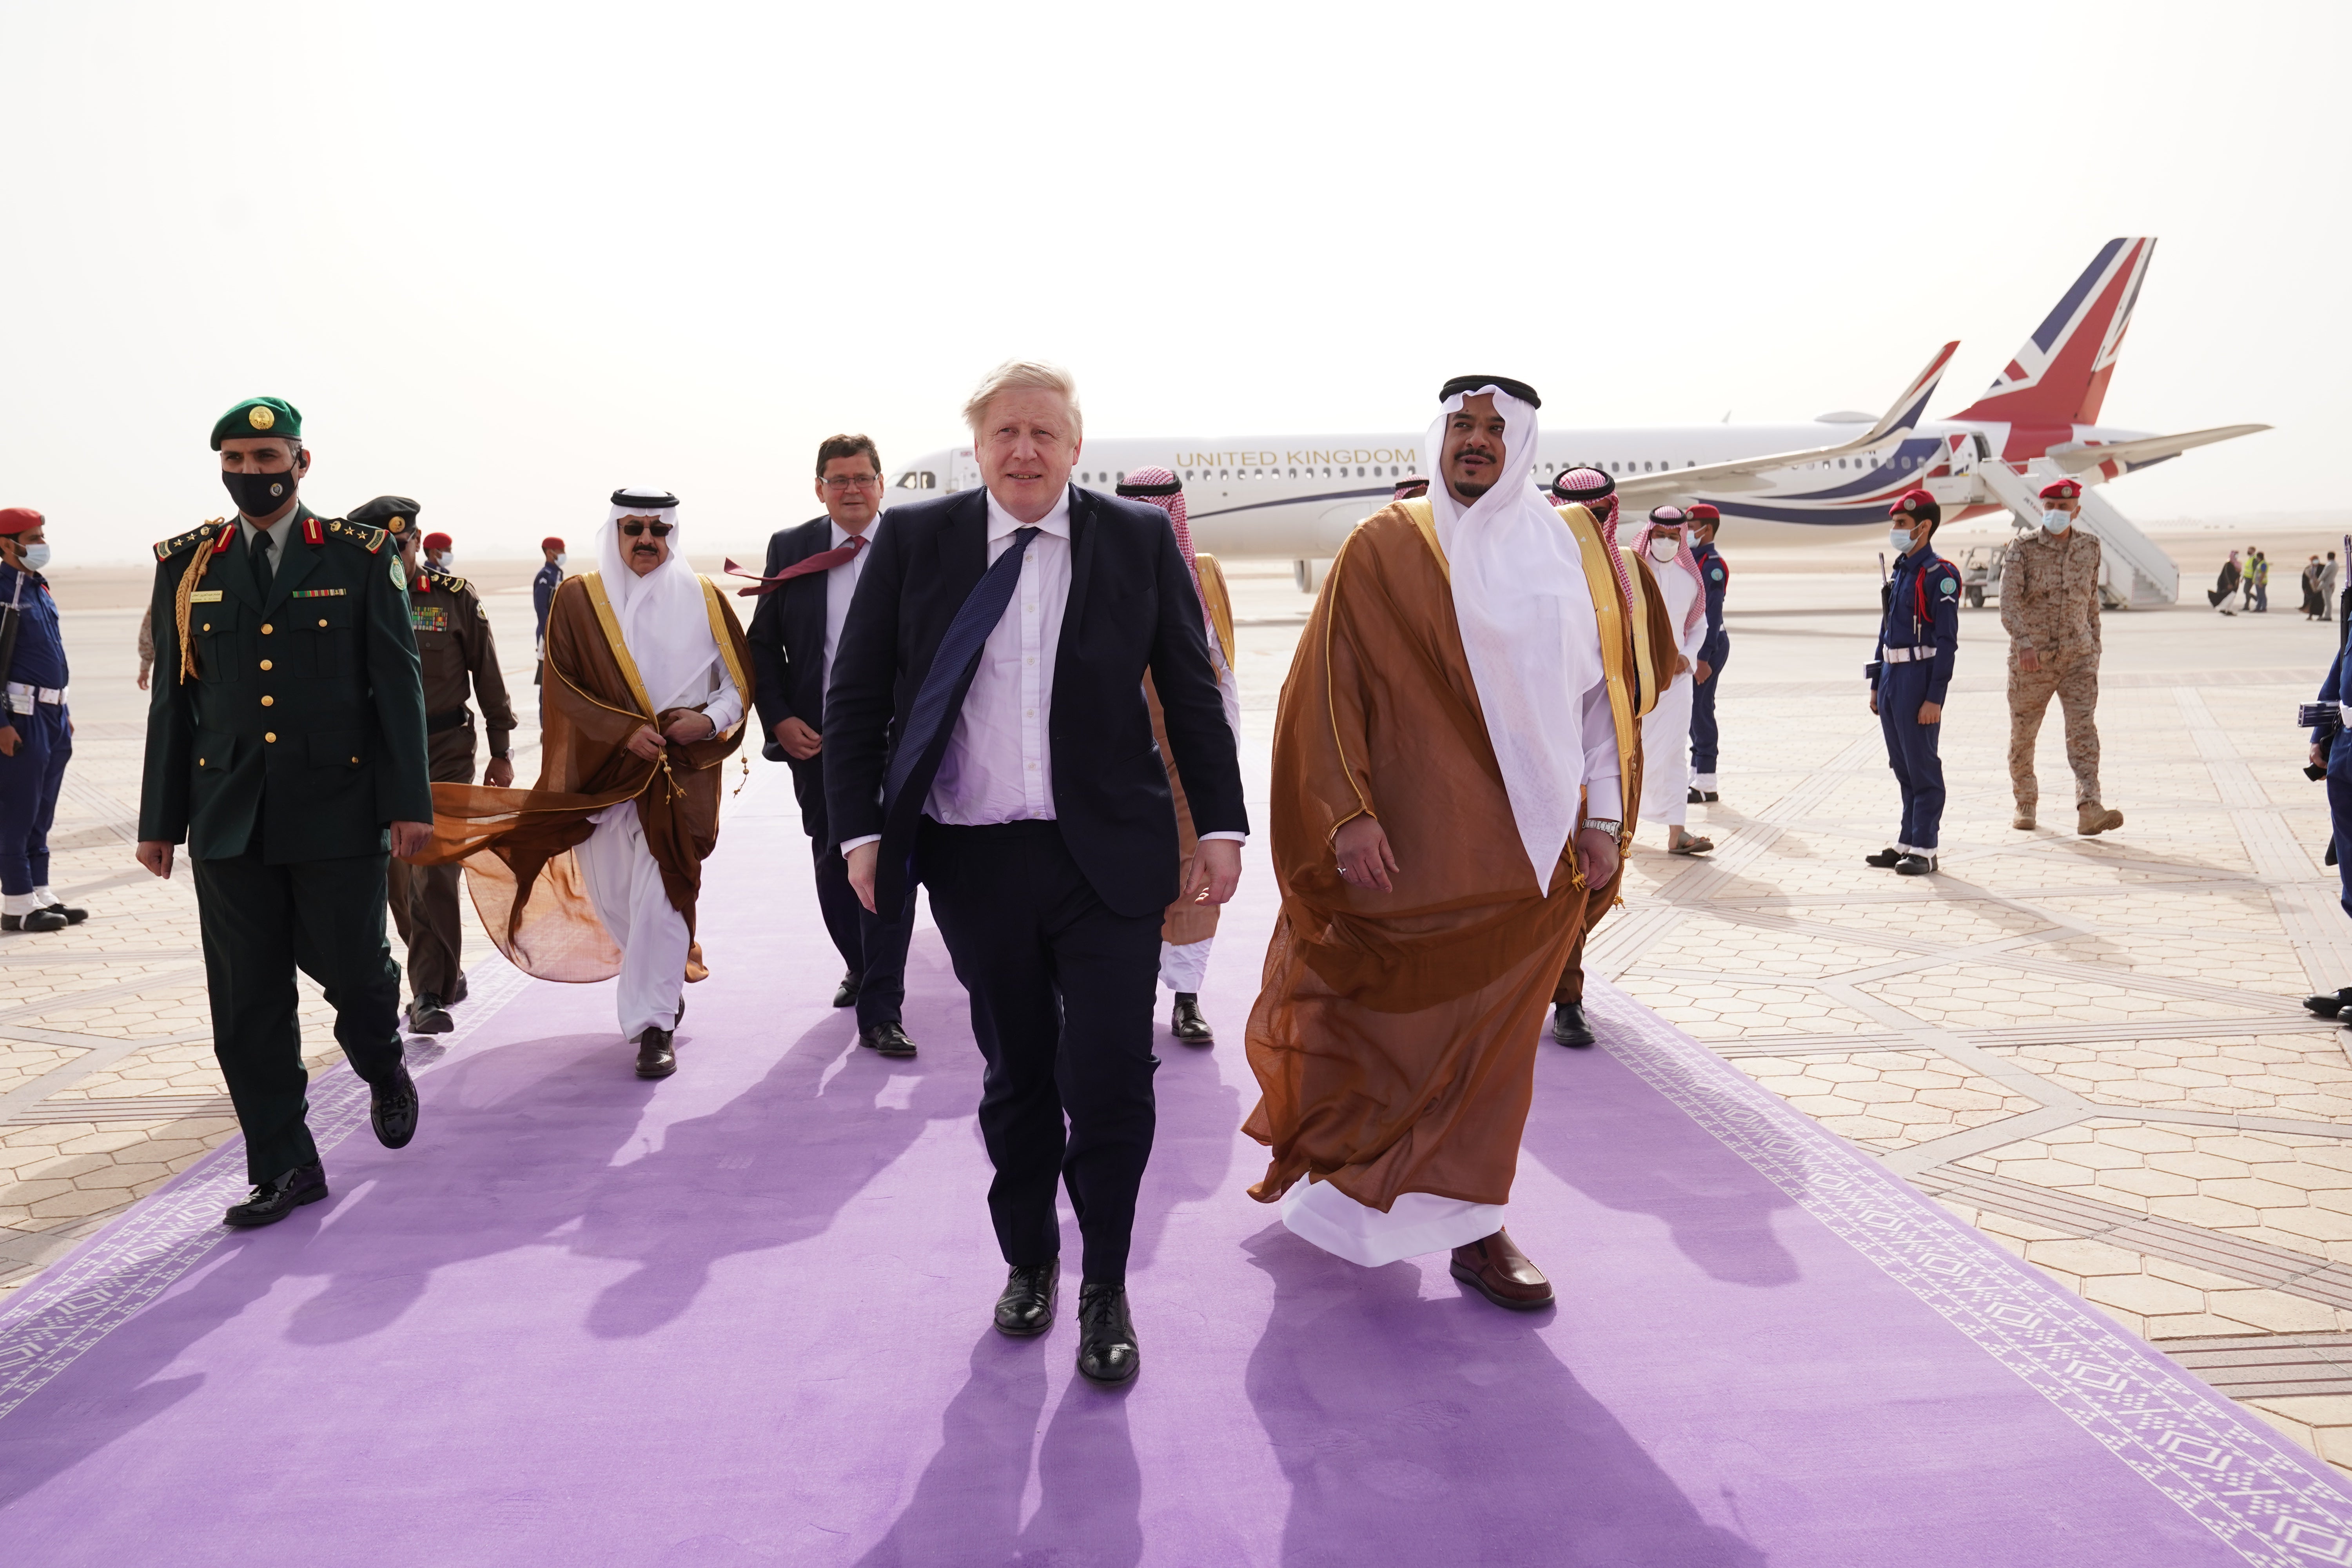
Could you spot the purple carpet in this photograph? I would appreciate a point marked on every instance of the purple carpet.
(741, 1318)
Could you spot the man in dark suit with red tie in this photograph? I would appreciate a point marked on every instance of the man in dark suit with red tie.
(804, 596)
(986, 735)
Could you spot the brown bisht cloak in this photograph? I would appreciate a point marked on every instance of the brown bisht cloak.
(1184, 923)
(516, 843)
(1395, 1036)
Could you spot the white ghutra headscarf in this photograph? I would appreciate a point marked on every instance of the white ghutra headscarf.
(1529, 629)
(663, 618)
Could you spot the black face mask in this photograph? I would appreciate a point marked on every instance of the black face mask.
(258, 495)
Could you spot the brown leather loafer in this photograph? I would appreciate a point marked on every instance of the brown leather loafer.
(1498, 1271)
(657, 1057)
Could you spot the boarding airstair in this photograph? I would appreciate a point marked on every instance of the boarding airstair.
(2134, 573)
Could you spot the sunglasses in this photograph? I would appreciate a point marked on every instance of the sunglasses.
(658, 530)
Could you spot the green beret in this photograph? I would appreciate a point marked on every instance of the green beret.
(258, 417)
(396, 515)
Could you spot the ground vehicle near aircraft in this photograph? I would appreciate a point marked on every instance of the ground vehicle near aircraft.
(1295, 498)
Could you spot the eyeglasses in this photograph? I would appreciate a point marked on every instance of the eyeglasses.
(856, 482)
(658, 530)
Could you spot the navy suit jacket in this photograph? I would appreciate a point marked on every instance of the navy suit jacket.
(1132, 608)
(787, 638)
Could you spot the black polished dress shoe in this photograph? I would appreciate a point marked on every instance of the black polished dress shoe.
(845, 993)
(1568, 1025)
(1186, 1022)
(392, 1108)
(1026, 1308)
(886, 1039)
(274, 1199)
(1107, 1351)
(657, 1054)
(1915, 865)
(2330, 1005)
(427, 1016)
(459, 995)
(1885, 858)
(74, 916)
(41, 919)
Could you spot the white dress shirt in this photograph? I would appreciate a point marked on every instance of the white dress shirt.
(840, 584)
(999, 765)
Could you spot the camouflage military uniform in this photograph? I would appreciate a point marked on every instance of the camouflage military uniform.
(2050, 603)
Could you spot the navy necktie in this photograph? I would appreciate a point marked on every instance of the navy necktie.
(959, 651)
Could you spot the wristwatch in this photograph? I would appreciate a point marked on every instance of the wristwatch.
(1609, 824)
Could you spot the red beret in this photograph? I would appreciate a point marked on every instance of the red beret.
(1914, 501)
(550, 542)
(2061, 490)
(1702, 512)
(17, 519)
(433, 541)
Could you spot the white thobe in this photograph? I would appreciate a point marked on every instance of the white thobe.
(1665, 729)
(1183, 969)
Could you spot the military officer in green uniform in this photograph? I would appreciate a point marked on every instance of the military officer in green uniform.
(285, 744)
(461, 663)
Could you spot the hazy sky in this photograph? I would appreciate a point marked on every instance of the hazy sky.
(506, 258)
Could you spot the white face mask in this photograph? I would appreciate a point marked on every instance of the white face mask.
(441, 559)
(2056, 521)
(1899, 539)
(1662, 550)
(37, 556)
(560, 559)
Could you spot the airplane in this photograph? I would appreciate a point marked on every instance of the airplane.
(1297, 497)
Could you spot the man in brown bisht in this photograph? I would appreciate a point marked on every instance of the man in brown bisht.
(1589, 486)
(595, 872)
(1189, 928)
(1453, 754)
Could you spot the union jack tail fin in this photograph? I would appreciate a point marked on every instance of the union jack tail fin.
(2060, 376)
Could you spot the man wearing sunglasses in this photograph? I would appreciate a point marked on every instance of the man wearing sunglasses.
(803, 596)
(648, 684)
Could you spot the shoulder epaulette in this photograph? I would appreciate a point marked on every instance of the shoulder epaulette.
(368, 539)
(180, 542)
(446, 581)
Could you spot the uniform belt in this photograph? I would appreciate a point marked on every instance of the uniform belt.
(455, 719)
(1906, 655)
(22, 698)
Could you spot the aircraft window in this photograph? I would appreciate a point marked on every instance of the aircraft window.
(1188, 473)
(1122, 476)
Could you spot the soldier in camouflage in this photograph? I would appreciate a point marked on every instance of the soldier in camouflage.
(2049, 607)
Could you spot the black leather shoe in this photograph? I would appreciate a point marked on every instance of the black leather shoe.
(74, 917)
(1568, 1025)
(1107, 1352)
(656, 1054)
(1915, 865)
(1186, 1022)
(845, 993)
(274, 1199)
(427, 1016)
(1885, 858)
(1026, 1308)
(2329, 1005)
(40, 920)
(392, 1108)
(459, 995)
(886, 1039)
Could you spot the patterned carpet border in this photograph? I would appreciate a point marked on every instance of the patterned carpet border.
(96, 1288)
(2263, 1499)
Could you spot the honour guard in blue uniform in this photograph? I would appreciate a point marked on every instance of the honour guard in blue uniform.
(1708, 671)
(2331, 751)
(1917, 641)
(35, 730)
(286, 744)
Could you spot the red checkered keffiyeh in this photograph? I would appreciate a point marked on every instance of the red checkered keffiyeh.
(1673, 516)
(1172, 503)
(1596, 492)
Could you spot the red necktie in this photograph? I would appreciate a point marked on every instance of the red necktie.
(823, 561)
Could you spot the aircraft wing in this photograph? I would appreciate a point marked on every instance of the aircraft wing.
(1902, 414)
(2080, 458)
